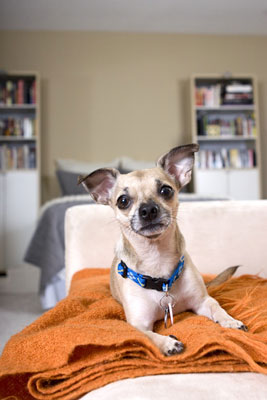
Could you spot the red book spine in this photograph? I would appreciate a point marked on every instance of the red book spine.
(21, 91)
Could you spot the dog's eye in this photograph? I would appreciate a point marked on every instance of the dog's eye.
(166, 192)
(123, 202)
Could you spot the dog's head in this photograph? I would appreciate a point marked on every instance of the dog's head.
(144, 201)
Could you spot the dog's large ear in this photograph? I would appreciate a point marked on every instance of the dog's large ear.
(100, 184)
(178, 163)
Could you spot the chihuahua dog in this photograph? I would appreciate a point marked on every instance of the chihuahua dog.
(152, 275)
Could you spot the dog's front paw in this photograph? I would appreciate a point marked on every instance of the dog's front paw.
(229, 322)
(172, 346)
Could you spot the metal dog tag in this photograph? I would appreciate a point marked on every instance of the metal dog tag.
(167, 303)
(171, 312)
(166, 317)
(168, 311)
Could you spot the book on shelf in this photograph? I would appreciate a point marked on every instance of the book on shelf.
(226, 158)
(208, 96)
(242, 124)
(237, 93)
(237, 87)
(14, 156)
(15, 91)
(223, 93)
(18, 126)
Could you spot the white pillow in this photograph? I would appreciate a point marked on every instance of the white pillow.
(82, 167)
(129, 164)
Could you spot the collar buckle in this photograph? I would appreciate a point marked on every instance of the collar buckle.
(123, 269)
(158, 284)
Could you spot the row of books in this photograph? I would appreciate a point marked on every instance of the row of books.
(226, 125)
(19, 92)
(234, 93)
(226, 158)
(17, 126)
(209, 96)
(237, 93)
(13, 156)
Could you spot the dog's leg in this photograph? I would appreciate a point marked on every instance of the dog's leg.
(142, 317)
(168, 345)
(203, 304)
(210, 308)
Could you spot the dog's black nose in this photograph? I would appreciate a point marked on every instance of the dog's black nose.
(148, 211)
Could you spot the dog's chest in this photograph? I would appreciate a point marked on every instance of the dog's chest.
(157, 264)
(153, 301)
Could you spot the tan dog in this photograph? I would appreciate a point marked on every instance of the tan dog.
(152, 275)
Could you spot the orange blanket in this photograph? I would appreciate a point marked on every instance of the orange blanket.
(84, 342)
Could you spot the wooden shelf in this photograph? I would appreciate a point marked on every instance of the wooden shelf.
(17, 139)
(228, 163)
(16, 170)
(225, 138)
(228, 169)
(224, 108)
(18, 107)
(19, 187)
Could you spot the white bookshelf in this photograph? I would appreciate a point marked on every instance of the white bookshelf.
(19, 164)
(225, 124)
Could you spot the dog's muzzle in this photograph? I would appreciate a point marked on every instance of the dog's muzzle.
(148, 212)
(150, 220)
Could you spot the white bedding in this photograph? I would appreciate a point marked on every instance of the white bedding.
(219, 386)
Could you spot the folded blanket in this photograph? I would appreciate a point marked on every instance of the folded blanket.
(85, 343)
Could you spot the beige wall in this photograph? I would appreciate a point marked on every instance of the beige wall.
(105, 95)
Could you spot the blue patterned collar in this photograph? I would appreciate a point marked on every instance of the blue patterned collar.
(145, 281)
